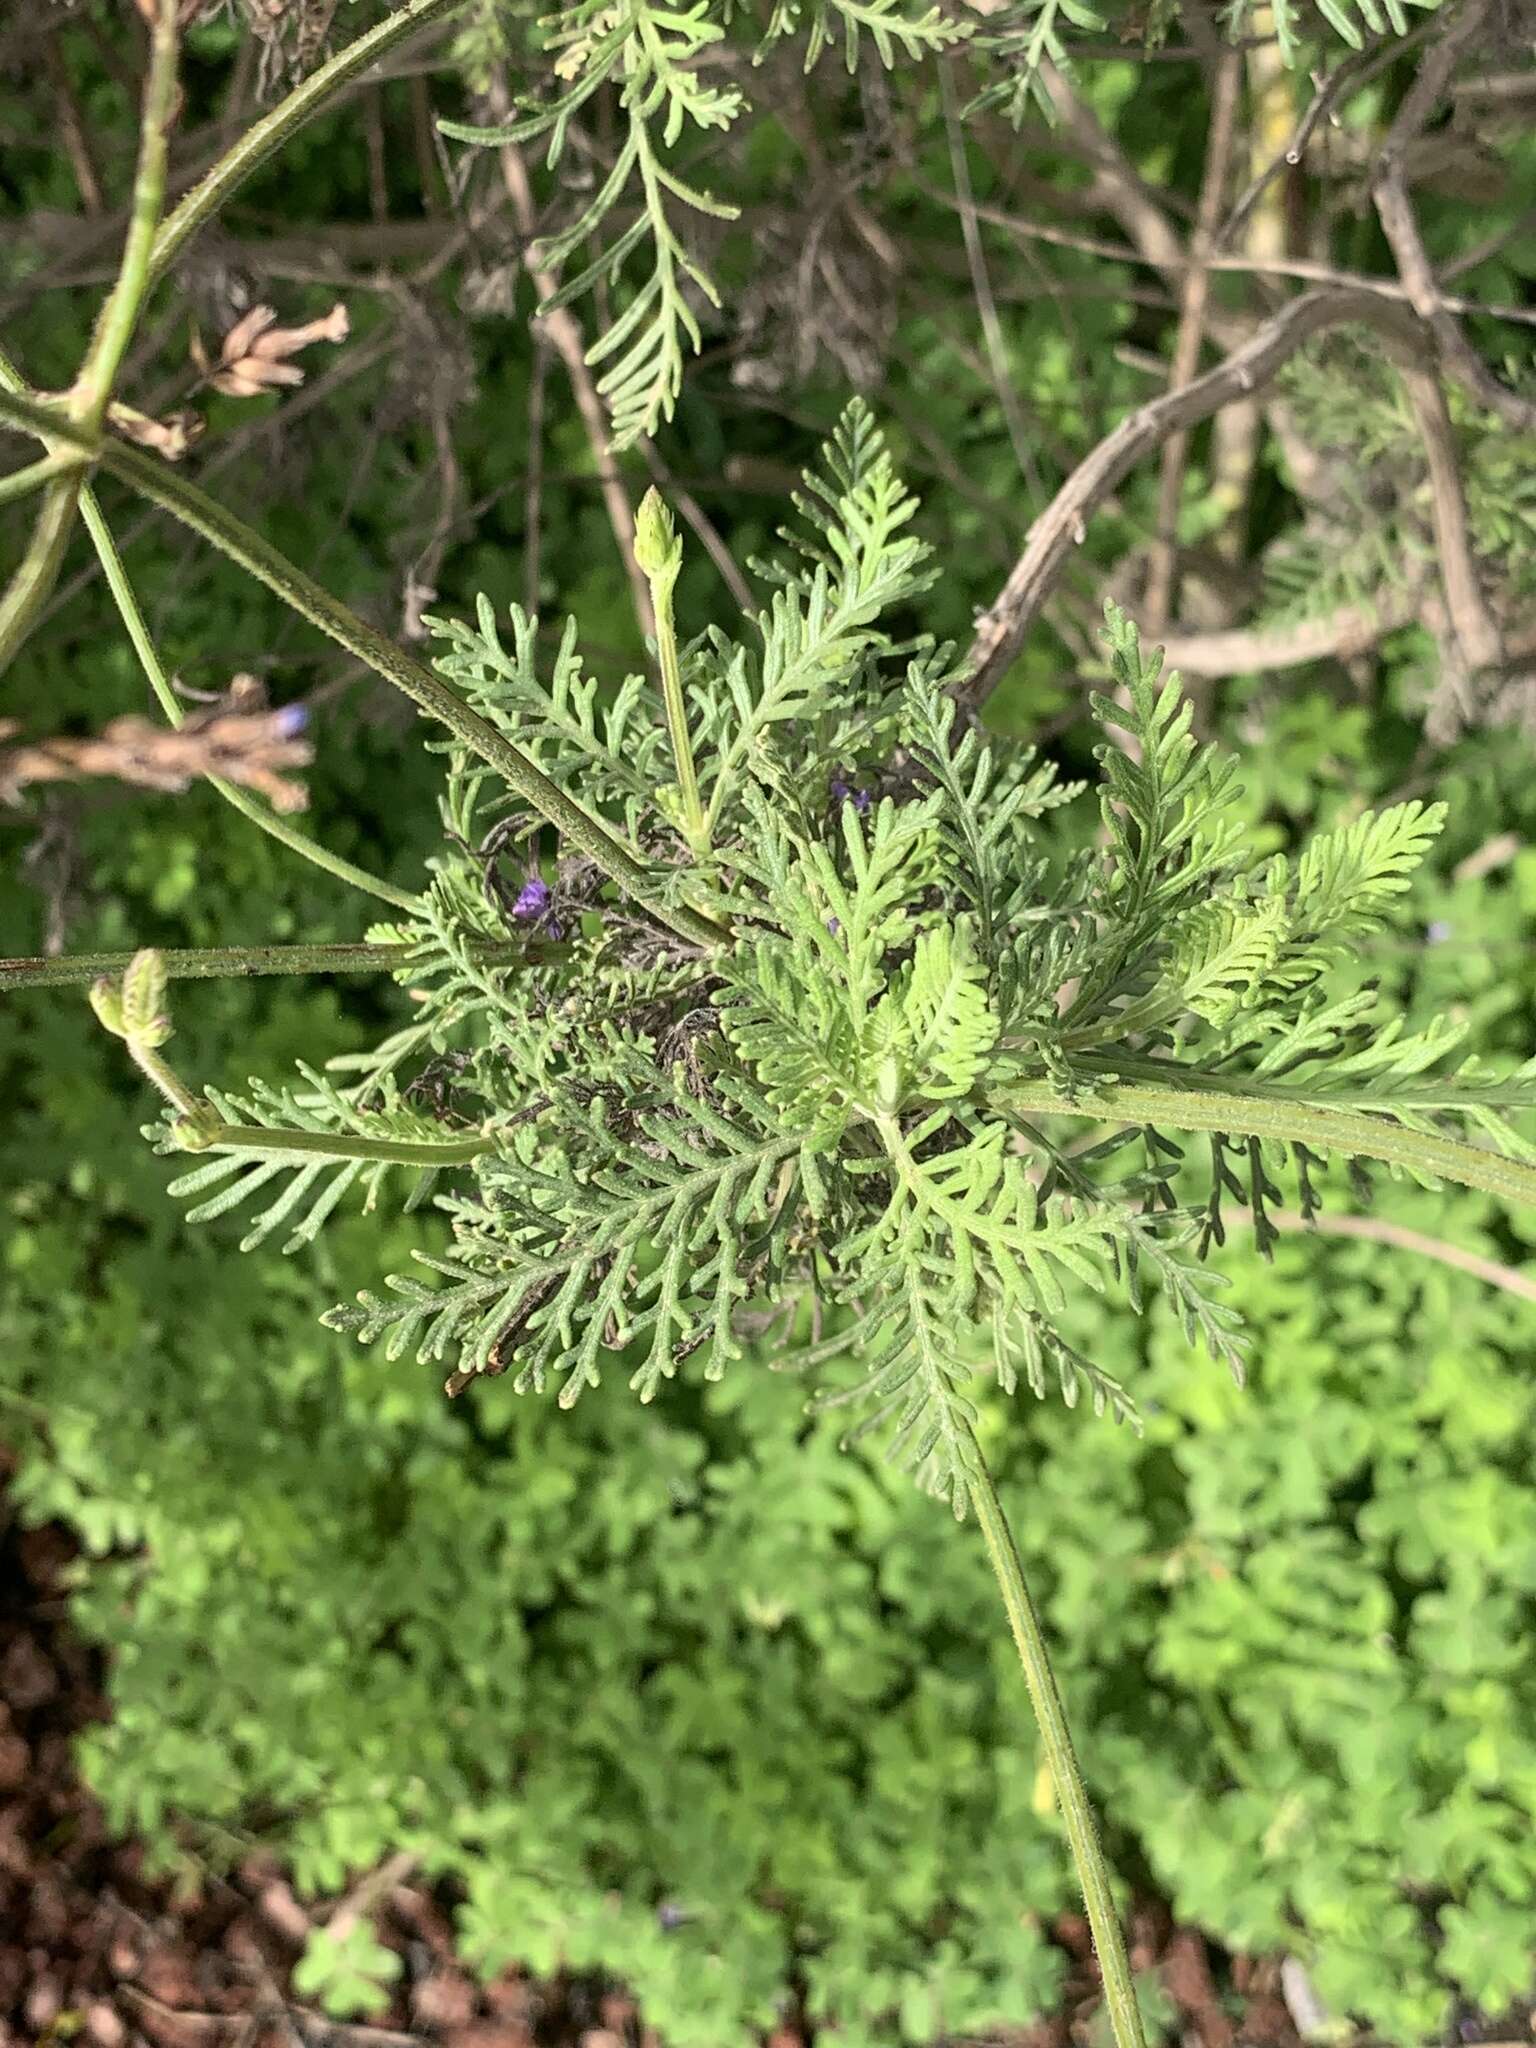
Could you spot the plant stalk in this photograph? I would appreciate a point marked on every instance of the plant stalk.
(87, 403)
(244, 545)
(229, 963)
(1061, 1759)
(1315, 1124)
(127, 603)
(695, 827)
(262, 141)
(119, 316)
(149, 660)
(339, 1145)
(38, 570)
(47, 467)
(163, 1077)
(659, 558)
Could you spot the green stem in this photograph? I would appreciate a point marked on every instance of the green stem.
(340, 1145)
(1061, 1758)
(1324, 1129)
(155, 1069)
(659, 558)
(205, 516)
(36, 474)
(1448, 1093)
(149, 660)
(695, 829)
(38, 570)
(221, 963)
(119, 317)
(269, 134)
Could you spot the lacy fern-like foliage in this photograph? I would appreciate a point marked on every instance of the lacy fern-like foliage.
(1297, 21)
(658, 60)
(635, 227)
(849, 1122)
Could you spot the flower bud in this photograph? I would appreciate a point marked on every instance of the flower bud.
(145, 1019)
(658, 551)
(107, 1002)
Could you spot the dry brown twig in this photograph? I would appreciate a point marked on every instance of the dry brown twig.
(1379, 1230)
(1194, 297)
(1355, 72)
(1476, 642)
(1063, 525)
(1254, 650)
(563, 330)
(1467, 32)
(237, 739)
(1117, 187)
(1303, 269)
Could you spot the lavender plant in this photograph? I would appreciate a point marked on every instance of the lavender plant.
(758, 1008)
(817, 1087)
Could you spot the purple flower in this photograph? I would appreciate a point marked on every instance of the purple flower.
(1438, 932)
(843, 792)
(291, 720)
(532, 900)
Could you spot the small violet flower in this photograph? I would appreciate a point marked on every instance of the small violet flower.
(291, 720)
(532, 900)
(843, 792)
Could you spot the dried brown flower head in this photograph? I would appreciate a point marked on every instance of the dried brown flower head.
(255, 355)
(171, 435)
(237, 738)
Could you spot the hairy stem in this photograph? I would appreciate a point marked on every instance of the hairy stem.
(38, 569)
(695, 827)
(339, 1145)
(1325, 1129)
(120, 315)
(230, 963)
(163, 1077)
(243, 544)
(286, 119)
(36, 474)
(149, 660)
(1061, 1758)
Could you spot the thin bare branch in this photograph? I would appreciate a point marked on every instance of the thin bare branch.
(1472, 625)
(986, 303)
(1466, 26)
(1304, 269)
(1258, 650)
(1117, 184)
(1064, 524)
(565, 337)
(72, 129)
(1356, 71)
(1379, 1230)
(1195, 294)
